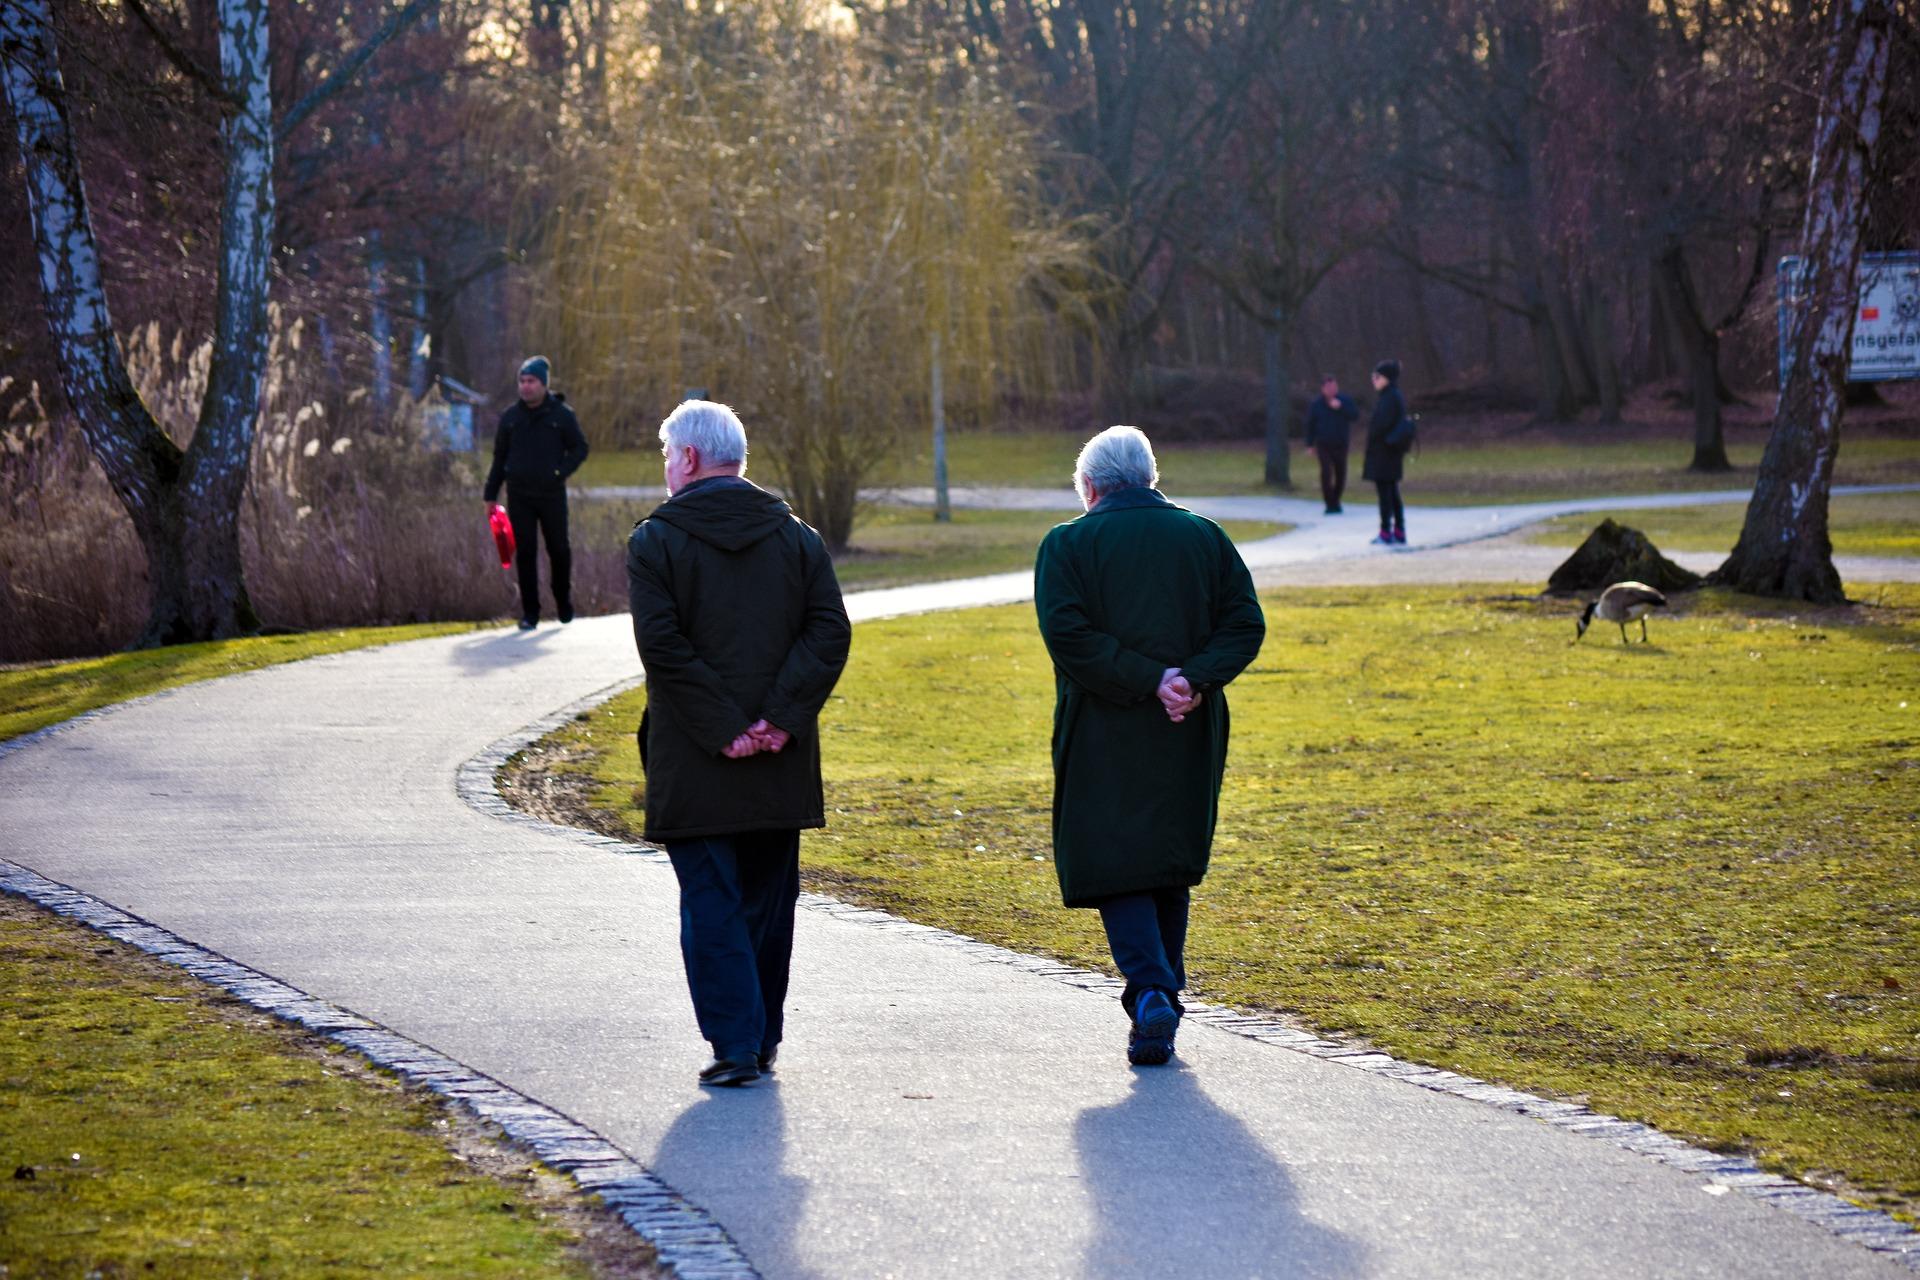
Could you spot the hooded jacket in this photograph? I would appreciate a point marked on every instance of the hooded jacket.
(535, 450)
(738, 618)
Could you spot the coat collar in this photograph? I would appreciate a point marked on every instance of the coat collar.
(1129, 498)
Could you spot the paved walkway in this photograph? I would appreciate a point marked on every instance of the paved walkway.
(936, 1114)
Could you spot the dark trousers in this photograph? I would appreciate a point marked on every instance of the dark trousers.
(1333, 474)
(1392, 514)
(736, 933)
(533, 515)
(1147, 933)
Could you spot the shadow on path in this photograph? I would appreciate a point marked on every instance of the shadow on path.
(738, 1138)
(488, 651)
(1153, 1217)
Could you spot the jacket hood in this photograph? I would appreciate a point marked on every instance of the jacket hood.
(730, 514)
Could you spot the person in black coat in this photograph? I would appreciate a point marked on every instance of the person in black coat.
(537, 445)
(741, 629)
(1330, 420)
(1389, 436)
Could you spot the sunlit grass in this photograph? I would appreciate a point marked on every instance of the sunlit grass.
(153, 1126)
(1868, 524)
(1447, 472)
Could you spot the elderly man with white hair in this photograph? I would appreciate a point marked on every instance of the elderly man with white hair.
(1148, 612)
(742, 633)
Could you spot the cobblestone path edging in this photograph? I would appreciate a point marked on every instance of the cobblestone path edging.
(1868, 1228)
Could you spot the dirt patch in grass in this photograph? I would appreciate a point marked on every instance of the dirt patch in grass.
(1619, 873)
(150, 1125)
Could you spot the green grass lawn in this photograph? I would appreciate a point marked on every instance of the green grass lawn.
(152, 1126)
(33, 697)
(1676, 880)
(1445, 472)
(1868, 524)
(894, 545)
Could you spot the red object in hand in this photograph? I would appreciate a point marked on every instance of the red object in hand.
(502, 534)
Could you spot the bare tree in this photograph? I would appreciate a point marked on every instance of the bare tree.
(1784, 549)
(185, 503)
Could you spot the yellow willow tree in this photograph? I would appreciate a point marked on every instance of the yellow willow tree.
(815, 227)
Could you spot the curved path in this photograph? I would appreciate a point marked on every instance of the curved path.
(940, 1111)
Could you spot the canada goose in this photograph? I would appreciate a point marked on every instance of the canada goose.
(1622, 603)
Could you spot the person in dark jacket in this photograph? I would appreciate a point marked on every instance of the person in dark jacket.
(1147, 611)
(537, 445)
(1389, 436)
(742, 632)
(1330, 420)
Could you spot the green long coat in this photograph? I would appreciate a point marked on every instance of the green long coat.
(1133, 587)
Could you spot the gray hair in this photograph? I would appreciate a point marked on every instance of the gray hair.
(1117, 458)
(709, 427)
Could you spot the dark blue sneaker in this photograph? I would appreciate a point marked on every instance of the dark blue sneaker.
(1148, 1051)
(1154, 1016)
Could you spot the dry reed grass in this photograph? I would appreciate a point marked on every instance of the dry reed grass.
(350, 518)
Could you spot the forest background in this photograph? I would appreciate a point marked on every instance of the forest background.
(1057, 213)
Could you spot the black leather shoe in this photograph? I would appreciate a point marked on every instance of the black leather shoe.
(724, 1073)
(566, 612)
(766, 1060)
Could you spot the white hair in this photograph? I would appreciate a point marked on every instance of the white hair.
(711, 428)
(1117, 458)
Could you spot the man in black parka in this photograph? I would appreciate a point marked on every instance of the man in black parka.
(537, 445)
(1148, 612)
(743, 634)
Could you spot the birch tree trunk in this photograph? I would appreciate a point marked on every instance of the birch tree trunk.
(184, 505)
(1784, 549)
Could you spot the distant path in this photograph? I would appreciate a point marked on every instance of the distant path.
(1320, 549)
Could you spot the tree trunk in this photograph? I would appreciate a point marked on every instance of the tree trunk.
(184, 506)
(1600, 346)
(1278, 469)
(1784, 549)
(1701, 347)
(942, 506)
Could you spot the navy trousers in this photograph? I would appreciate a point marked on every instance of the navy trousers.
(1333, 473)
(1147, 933)
(534, 516)
(737, 894)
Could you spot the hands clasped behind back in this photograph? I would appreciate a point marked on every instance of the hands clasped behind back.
(755, 738)
(1177, 695)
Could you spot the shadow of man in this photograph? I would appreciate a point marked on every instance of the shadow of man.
(490, 651)
(727, 1153)
(1179, 1187)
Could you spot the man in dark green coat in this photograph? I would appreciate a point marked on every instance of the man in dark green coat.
(742, 632)
(1148, 611)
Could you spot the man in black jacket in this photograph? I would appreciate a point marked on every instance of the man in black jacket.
(1330, 420)
(742, 633)
(537, 445)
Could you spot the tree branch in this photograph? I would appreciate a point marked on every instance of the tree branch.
(349, 67)
(183, 61)
(1759, 267)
